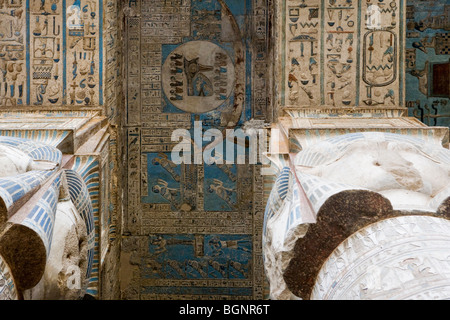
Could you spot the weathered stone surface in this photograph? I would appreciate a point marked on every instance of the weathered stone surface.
(65, 271)
(399, 258)
(341, 186)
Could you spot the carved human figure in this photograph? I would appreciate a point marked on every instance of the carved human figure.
(223, 192)
(166, 192)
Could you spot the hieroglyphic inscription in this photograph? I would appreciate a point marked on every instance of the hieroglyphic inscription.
(302, 52)
(134, 145)
(341, 53)
(188, 61)
(382, 48)
(113, 58)
(133, 32)
(51, 52)
(12, 54)
(84, 53)
(340, 44)
(46, 53)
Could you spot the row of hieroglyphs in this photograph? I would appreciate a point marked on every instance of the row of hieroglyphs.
(342, 53)
(113, 58)
(51, 52)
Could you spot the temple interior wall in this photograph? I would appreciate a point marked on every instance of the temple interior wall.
(194, 230)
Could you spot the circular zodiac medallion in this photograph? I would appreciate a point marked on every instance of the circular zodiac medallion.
(198, 77)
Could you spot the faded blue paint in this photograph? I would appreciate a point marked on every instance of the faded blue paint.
(156, 172)
(214, 202)
(198, 257)
(433, 111)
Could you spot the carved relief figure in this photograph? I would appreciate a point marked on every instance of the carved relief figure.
(422, 75)
(169, 194)
(221, 191)
(164, 161)
(198, 76)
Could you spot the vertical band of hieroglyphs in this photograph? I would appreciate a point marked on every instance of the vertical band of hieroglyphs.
(51, 53)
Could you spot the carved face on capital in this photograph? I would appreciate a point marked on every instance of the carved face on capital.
(380, 166)
(67, 263)
(65, 272)
(14, 162)
(404, 172)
